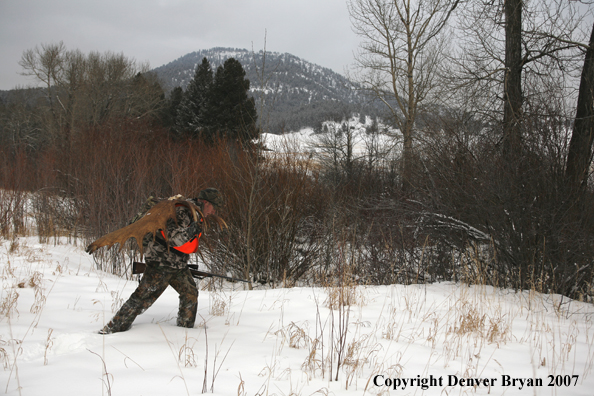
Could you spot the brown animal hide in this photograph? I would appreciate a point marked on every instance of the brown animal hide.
(155, 219)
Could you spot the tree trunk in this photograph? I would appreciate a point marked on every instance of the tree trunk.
(512, 90)
(411, 109)
(579, 155)
(407, 157)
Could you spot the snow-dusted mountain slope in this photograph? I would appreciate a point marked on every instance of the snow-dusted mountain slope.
(290, 93)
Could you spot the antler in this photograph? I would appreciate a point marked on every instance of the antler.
(155, 219)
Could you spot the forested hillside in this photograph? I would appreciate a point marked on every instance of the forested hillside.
(290, 92)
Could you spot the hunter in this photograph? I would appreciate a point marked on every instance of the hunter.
(166, 256)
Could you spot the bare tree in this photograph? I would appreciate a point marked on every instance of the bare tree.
(512, 81)
(336, 148)
(402, 45)
(46, 64)
(514, 53)
(89, 90)
(579, 156)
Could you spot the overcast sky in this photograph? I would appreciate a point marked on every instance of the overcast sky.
(160, 31)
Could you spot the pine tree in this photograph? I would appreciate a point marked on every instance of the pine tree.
(191, 112)
(169, 115)
(231, 112)
(218, 106)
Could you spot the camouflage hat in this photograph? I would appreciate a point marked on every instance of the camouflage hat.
(211, 195)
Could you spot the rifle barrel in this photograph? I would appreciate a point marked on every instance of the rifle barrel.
(139, 268)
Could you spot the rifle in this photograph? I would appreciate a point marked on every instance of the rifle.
(139, 268)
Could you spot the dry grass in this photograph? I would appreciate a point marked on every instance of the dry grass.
(49, 342)
(8, 304)
(464, 330)
(342, 296)
(218, 304)
(4, 358)
(294, 335)
(187, 356)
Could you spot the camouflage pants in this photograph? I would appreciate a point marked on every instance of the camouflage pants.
(153, 283)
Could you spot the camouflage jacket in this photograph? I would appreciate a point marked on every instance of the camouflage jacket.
(156, 250)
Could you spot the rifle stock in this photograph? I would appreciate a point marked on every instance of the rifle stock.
(139, 268)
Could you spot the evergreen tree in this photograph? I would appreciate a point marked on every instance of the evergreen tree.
(219, 105)
(231, 111)
(170, 111)
(194, 102)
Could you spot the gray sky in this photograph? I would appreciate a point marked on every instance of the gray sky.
(160, 31)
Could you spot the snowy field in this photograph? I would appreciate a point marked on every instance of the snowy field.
(307, 141)
(439, 339)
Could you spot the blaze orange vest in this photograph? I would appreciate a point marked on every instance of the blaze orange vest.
(189, 247)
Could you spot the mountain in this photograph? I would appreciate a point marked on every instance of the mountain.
(290, 92)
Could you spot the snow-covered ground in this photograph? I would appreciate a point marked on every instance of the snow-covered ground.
(307, 141)
(421, 339)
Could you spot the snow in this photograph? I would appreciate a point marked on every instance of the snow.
(280, 341)
(307, 140)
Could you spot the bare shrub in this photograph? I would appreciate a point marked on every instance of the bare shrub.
(270, 208)
(524, 227)
(12, 193)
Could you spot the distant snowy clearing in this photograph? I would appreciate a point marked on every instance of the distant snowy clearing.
(308, 141)
(439, 339)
